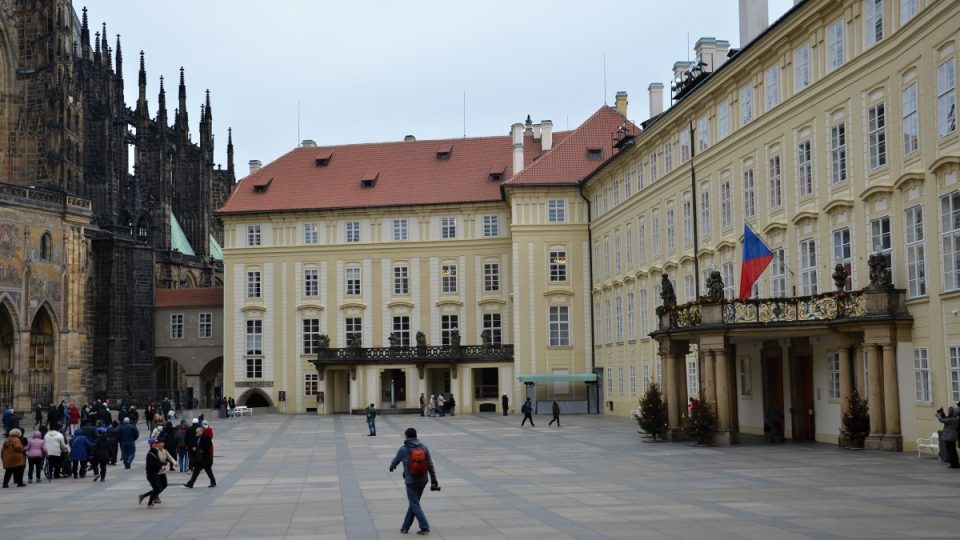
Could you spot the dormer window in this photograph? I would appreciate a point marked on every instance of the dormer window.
(496, 173)
(496, 177)
(444, 152)
(594, 154)
(324, 159)
(262, 186)
(369, 180)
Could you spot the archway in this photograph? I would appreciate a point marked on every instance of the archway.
(255, 398)
(211, 383)
(43, 350)
(7, 333)
(169, 380)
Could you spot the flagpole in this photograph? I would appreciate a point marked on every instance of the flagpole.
(696, 241)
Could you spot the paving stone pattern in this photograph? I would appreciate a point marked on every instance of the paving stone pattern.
(323, 477)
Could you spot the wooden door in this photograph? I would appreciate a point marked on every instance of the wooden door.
(772, 373)
(804, 427)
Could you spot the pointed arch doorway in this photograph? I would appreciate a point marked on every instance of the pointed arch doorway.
(41, 358)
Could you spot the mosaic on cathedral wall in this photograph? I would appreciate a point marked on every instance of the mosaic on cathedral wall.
(20, 257)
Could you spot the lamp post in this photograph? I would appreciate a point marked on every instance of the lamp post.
(393, 401)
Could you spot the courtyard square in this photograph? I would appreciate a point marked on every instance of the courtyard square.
(323, 477)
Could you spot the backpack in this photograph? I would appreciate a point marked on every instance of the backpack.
(525, 409)
(418, 462)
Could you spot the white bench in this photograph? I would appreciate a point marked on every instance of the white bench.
(931, 443)
(242, 410)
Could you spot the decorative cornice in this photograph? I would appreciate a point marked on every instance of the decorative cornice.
(303, 307)
(949, 159)
(803, 216)
(775, 226)
(876, 189)
(835, 204)
(907, 177)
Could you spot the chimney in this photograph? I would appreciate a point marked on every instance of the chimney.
(620, 103)
(712, 52)
(656, 98)
(409, 138)
(753, 20)
(517, 132)
(254, 166)
(308, 143)
(546, 135)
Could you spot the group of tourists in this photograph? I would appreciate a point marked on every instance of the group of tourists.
(437, 405)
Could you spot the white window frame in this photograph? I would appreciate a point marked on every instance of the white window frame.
(921, 372)
(254, 237)
(833, 376)
(352, 232)
(311, 381)
(617, 253)
(655, 231)
(703, 133)
(775, 181)
(608, 320)
(254, 284)
(353, 286)
(916, 256)
(491, 277)
(671, 229)
(557, 260)
(641, 240)
(805, 168)
(491, 226)
(667, 157)
(176, 326)
(448, 278)
(619, 318)
(644, 317)
(723, 119)
(631, 317)
(947, 98)
(881, 241)
(950, 232)
(401, 280)
(628, 243)
(311, 233)
(726, 205)
(687, 209)
(746, 104)
(311, 282)
(494, 323)
(801, 67)
(749, 194)
(843, 253)
(705, 223)
(877, 136)
(633, 380)
(910, 125)
(908, 10)
(809, 278)
(779, 273)
(771, 83)
(309, 335)
(205, 325)
(448, 228)
(872, 22)
(838, 153)
(684, 146)
(559, 331)
(352, 325)
(401, 325)
(400, 229)
(953, 368)
(836, 44)
(557, 210)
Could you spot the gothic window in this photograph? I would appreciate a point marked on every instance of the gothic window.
(46, 247)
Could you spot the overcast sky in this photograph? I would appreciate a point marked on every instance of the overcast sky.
(369, 71)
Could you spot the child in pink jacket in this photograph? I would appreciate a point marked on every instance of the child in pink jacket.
(36, 452)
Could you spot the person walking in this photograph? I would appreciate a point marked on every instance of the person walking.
(505, 402)
(38, 417)
(203, 460)
(14, 458)
(951, 424)
(417, 469)
(556, 414)
(432, 405)
(165, 460)
(80, 447)
(183, 454)
(153, 467)
(441, 404)
(36, 451)
(56, 446)
(127, 435)
(372, 420)
(451, 404)
(423, 403)
(527, 410)
(773, 423)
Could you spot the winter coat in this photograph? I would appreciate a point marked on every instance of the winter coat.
(127, 433)
(153, 463)
(403, 456)
(74, 415)
(35, 448)
(165, 458)
(13, 454)
(54, 443)
(204, 451)
(80, 446)
(101, 448)
(950, 425)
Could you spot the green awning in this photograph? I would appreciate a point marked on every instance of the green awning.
(560, 377)
(215, 250)
(178, 240)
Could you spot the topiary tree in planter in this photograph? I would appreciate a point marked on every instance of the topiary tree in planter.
(699, 423)
(855, 421)
(653, 412)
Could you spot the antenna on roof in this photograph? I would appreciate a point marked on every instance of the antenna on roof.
(464, 114)
(298, 121)
(604, 78)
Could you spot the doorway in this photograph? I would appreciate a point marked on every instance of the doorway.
(771, 368)
(801, 390)
(393, 388)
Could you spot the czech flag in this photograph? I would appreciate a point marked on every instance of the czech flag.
(756, 258)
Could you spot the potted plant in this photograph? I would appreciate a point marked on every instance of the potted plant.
(699, 423)
(855, 421)
(652, 415)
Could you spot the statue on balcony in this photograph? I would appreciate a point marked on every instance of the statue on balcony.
(323, 341)
(421, 340)
(879, 276)
(486, 338)
(840, 276)
(394, 339)
(455, 338)
(354, 341)
(667, 294)
(714, 287)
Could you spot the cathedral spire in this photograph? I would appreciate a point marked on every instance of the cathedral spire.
(119, 65)
(162, 106)
(230, 150)
(96, 48)
(142, 82)
(105, 48)
(209, 114)
(85, 36)
(182, 115)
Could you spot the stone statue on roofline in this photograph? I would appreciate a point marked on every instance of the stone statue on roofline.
(714, 287)
(879, 276)
(354, 340)
(394, 339)
(421, 340)
(840, 276)
(667, 294)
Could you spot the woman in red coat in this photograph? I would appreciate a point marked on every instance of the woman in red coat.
(74, 416)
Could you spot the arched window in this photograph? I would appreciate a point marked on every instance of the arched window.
(46, 247)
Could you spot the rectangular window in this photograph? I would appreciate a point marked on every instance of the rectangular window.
(353, 327)
(311, 235)
(448, 278)
(205, 326)
(616, 192)
(689, 289)
(606, 198)
(703, 133)
(609, 371)
(254, 368)
(801, 67)
(838, 154)
(835, 45)
(448, 325)
(597, 330)
(640, 180)
(881, 242)
(254, 350)
(726, 209)
(644, 318)
(401, 280)
(684, 146)
(253, 284)
(491, 324)
(646, 378)
(253, 235)
(491, 277)
(311, 335)
(723, 120)
(491, 226)
(749, 195)
(620, 379)
(804, 169)
(618, 267)
(687, 219)
(641, 241)
(558, 266)
(667, 157)
(655, 232)
(916, 260)
(705, 223)
(873, 21)
(401, 327)
(950, 231)
(557, 210)
(833, 376)
(310, 383)
(176, 326)
(400, 229)
(728, 290)
(954, 374)
(448, 227)
(353, 281)
(746, 104)
(774, 181)
(693, 379)
(619, 318)
(911, 122)
(908, 9)
(560, 326)
(311, 282)
(628, 240)
(352, 232)
(606, 256)
(633, 380)
(779, 273)
(671, 229)
(631, 318)
(608, 321)
(921, 370)
(771, 82)
(653, 167)
(877, 136)
(947, 97)
(808, 267)
(843, 254)
(628, 183)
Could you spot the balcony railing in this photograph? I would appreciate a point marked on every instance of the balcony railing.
(416, 354)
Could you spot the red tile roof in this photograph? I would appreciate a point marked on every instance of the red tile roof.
(188, 298)
(410, 173)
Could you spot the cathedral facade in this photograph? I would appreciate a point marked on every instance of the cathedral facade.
(103, 205)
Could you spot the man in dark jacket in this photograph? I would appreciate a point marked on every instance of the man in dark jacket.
(101, 454)
(204, 459)
(951, 424)
(414, 451)
(127, 435)
(114, 442)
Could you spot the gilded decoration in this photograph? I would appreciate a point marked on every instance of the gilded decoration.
(825, 307)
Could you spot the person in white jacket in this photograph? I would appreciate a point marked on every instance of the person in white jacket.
(55, 444)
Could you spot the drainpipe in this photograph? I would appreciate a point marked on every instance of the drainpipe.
(593, 338)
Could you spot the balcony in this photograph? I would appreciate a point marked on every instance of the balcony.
(420, 354)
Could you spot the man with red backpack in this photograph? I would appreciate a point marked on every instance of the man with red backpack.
(417, 469)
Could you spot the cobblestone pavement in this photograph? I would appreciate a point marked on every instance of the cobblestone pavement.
(323, 477)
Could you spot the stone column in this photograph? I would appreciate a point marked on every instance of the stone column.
(670, 390)
(876, 398)
(892, 439)
(846, 379)
(355, 397)
(708, 380)
(682, 391)
(724, 421)
(322, 387)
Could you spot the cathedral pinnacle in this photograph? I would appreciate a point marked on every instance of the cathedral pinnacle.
(85, 36)
(119, 68)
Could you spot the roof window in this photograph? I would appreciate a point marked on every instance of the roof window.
(369, 180)
(262, 186)
(496, 173)
(324, 159)
(594, 154)
(444, 152)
